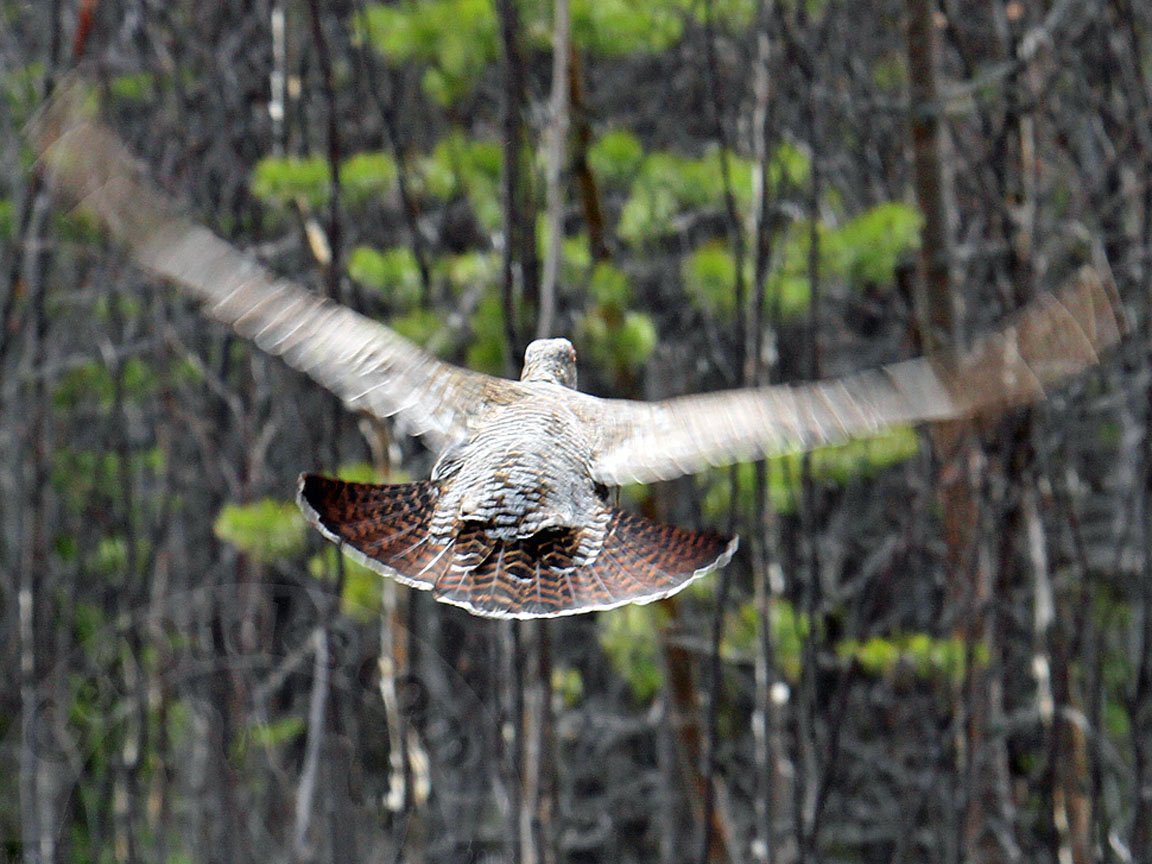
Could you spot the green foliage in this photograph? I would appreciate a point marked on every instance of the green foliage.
(89, 622)
(575, 259)
(20, 87)
(421, 326)
(575, 255)
(890, 72)
(669, 185)
(456, 38)
(415, 31)
(611, 335)
(864, 457)
(265, 530)
(77, 226)
(357, 472)
(840, 464)
(709, 276)
(487, 353)
(867, 248)
(7, 218)
(392, 271)
(283, 179)
(864, 250)
(470, 269)
(789, 167)
(742, 13)
(609, 287)
(921, 654)
(736, 14)
(620, 342)
(367, 175)
(635, 341)
(92, 478)
(363, 587)
(620, 27)
(459, 166)
(630, 638)
(616, 157)
(111, 557)
(275, 732)
(110, 561)
(568, 684)
(788, 287)
(132, 87)
(1109, 435)
(93, 384)
(1113, 612)
(64, 545)
(789, 630)
(107, 307)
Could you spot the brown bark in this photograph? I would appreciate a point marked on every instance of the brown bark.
(582, 141)
(521, 285)
(934, 302)
(684, 715)
(961, 459)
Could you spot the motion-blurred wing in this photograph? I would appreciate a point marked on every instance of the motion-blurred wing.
(367, 365)
(1056, 336)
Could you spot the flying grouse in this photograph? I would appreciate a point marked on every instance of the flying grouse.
(515, 521)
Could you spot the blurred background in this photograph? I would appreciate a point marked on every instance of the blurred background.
(934, 646)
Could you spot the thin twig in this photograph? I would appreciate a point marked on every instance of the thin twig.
(317, 707)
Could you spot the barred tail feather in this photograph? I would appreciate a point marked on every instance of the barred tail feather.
(622, 558)
(384, 527)
(520, 578)
(647, 561)
(549, 574)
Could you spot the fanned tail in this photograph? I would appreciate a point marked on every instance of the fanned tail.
(619, 558)
(625, 559)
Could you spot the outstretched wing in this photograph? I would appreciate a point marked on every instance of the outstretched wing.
(360, 360)
(1056, 336)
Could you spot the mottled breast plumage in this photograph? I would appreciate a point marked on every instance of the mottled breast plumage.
(526, 467)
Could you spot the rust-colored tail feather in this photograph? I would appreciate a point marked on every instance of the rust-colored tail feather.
(624, 558)
(546, 575)
(385, 527)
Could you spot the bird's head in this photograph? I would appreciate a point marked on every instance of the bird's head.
(550, 360)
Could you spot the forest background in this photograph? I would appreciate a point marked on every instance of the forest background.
(933, 646)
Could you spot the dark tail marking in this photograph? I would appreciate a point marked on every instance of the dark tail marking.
(640, 561)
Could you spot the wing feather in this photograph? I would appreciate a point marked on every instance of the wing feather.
(1055, 337)
(369, 366)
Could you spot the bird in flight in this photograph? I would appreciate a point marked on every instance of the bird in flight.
(515, 521)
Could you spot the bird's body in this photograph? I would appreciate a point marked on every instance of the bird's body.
(512, 522)
(515, 520)
(526, 467)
